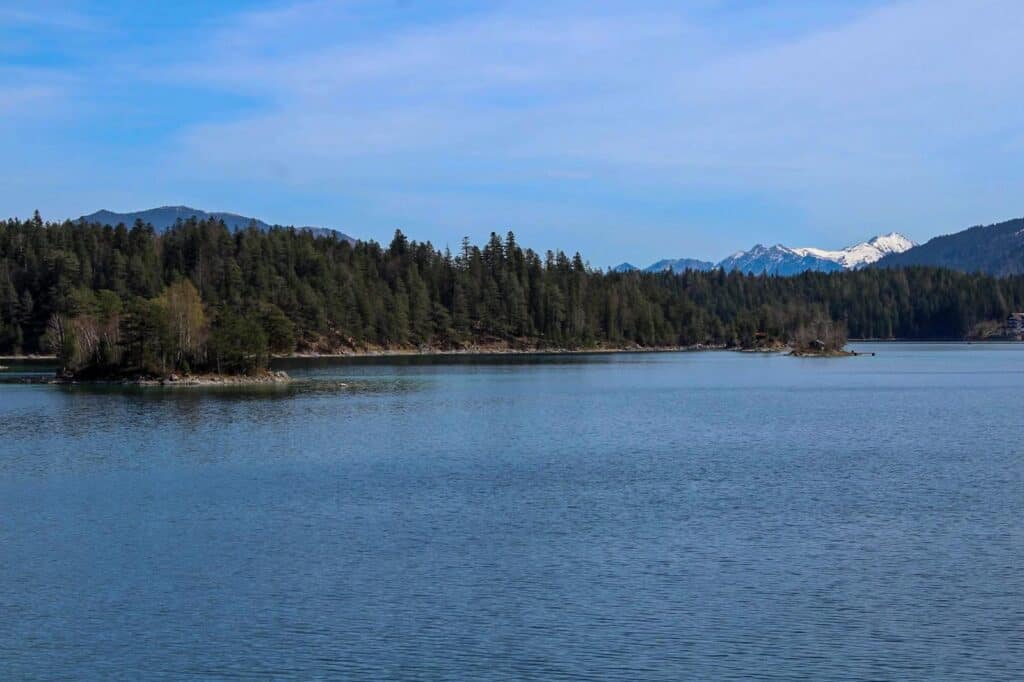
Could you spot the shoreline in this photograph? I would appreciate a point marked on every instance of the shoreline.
(493, 350)
(440, 352)
(268, 378)
(497, 350)
(226, 379)
(827, 354)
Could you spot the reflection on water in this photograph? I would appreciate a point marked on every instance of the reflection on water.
(655, 516)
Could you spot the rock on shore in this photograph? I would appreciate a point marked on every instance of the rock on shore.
(263, 378)
(267, 377)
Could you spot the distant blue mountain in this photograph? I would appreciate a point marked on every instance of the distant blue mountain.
(166, 216)
(679, 265)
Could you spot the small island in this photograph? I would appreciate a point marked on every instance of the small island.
(817, 337)
(820, 350)
(821, 338)
(170, 340)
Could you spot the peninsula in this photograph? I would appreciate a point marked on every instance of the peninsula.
(201, 299)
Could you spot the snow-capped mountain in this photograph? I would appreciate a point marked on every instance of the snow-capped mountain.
(865, 253)
(777, 260)
(784, 260)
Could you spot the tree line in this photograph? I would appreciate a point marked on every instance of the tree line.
(200, 296)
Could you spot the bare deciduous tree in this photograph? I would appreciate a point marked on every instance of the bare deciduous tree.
(820, 333)
(186, 319)
(59, 339)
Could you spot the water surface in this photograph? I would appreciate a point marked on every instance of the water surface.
(655, 516)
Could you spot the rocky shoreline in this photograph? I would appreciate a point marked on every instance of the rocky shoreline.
(277, 377)
(269, 377)
(825, 353)
(494, 350)
(173, 380)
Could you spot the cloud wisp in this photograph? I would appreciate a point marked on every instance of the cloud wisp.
(682, 118)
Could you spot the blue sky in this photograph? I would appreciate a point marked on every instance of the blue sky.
(626, 130)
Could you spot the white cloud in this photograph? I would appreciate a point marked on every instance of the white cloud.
(47, 17)
(885, 118)
(634, 89)
(33, 93)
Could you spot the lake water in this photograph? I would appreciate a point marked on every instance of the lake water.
(634, 516)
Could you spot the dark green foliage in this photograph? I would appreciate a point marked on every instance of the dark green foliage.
(279, 330)
(145, 337)
(279, 290)
(238, 343)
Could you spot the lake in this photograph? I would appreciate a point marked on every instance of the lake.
(618, 516)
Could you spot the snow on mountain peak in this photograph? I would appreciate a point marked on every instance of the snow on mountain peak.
(784, 260)
(865, 253)
(894, 242)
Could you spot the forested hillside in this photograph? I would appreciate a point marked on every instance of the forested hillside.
(995, 249)
(165, 217)
(202, 295)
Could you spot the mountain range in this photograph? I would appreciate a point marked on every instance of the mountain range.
(784, 260)
(165, 217)
(676, 265)
(996, 249)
